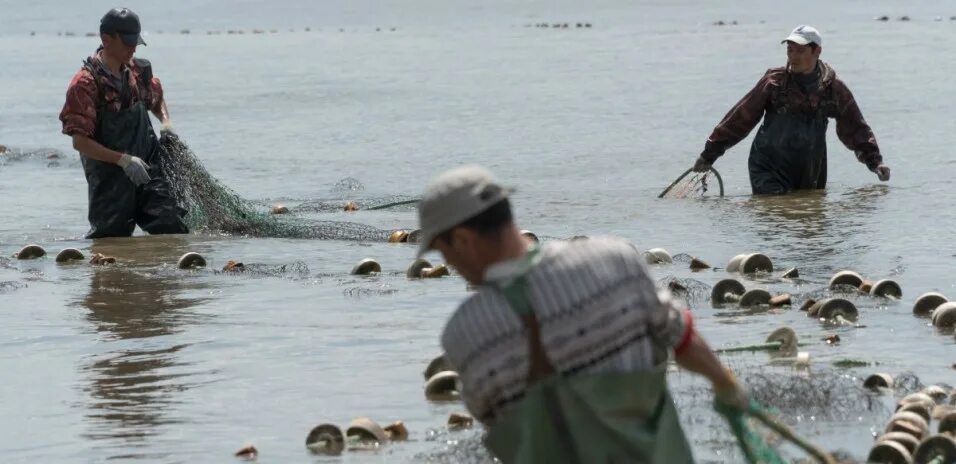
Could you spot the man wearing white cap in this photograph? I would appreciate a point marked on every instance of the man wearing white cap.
(795, 102)
(562, 350)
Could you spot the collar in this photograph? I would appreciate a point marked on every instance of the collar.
(101, 63)
(503, 273)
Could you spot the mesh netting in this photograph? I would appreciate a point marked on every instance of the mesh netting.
(694, 184)
(214, 207)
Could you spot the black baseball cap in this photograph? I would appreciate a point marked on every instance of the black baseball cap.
(124, 22)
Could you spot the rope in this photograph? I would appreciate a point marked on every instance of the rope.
(754, 448)
(769, 346)
(389, 205)
(720, 181)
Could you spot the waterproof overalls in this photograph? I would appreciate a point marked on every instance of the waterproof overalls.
(789, 151)
(116, 205)
(626, 417)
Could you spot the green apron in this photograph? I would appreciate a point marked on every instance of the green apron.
(626, 417)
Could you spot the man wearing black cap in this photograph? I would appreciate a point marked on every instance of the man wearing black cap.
(107, 114)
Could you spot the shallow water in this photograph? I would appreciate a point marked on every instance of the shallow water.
(143, 362)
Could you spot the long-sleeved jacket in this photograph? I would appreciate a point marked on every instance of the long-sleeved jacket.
(792, 138)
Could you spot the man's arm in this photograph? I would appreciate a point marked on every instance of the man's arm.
(158, 104)
(738, 122)
(696, 356)
(855, 133)
(94, 150)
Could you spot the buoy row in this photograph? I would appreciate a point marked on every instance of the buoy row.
(67, 255)
(732, 291)
(361, 433)
(419, 269)
(904, 18)
(559, 25)
(217, 32)
(937, 307)
(907, 437)
(884, 288)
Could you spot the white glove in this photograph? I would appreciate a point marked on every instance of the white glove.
(135, 168)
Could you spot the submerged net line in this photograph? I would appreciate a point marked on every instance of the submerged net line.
(393, 202)
(213, 207)
(696, 185)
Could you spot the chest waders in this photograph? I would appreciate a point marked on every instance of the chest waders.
(586, 418)
(116, 205)
(789, 151)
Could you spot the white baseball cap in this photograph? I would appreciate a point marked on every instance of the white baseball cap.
(454, 197)
(804, 35)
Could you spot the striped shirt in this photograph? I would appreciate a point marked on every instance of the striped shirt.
(598, 310)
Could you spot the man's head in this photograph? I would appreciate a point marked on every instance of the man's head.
(466, 216)
(804, 46)
(120, 32)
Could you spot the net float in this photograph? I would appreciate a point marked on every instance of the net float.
(938, 449)
(460, 421)
(756, 262)
(848, 278)
(415, 269)
(69, 254)
(927, 302)
(191, 260)
(326, 439)
(442, 386)
(908, 441)
(734, 264)
(878, 381)
(886, 288)
(658, 256)
(944, 316)
(366, 266)
(727, 291)
(439, 364)
(755, 297)
(30, 252)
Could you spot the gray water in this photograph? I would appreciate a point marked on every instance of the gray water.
(143, 362)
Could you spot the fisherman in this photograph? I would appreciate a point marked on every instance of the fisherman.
(789, 151)
(562, 350)
(107, 114)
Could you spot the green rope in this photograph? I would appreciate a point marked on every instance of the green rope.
(769, 346)
(720, 181)
(756, 450)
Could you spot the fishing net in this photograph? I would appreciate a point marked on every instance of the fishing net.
(692, 184)
(213, 207)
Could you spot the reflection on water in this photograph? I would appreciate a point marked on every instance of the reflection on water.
(132, 390)
(808, 225)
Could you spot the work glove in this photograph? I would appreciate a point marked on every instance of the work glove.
(701, 165)
(883, 172)
(135, 168)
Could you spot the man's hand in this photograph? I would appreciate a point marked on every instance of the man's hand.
(729, 393)
(701, 165)
(883, 172)
(135, 168)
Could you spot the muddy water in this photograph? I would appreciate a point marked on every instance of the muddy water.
(140, 361)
